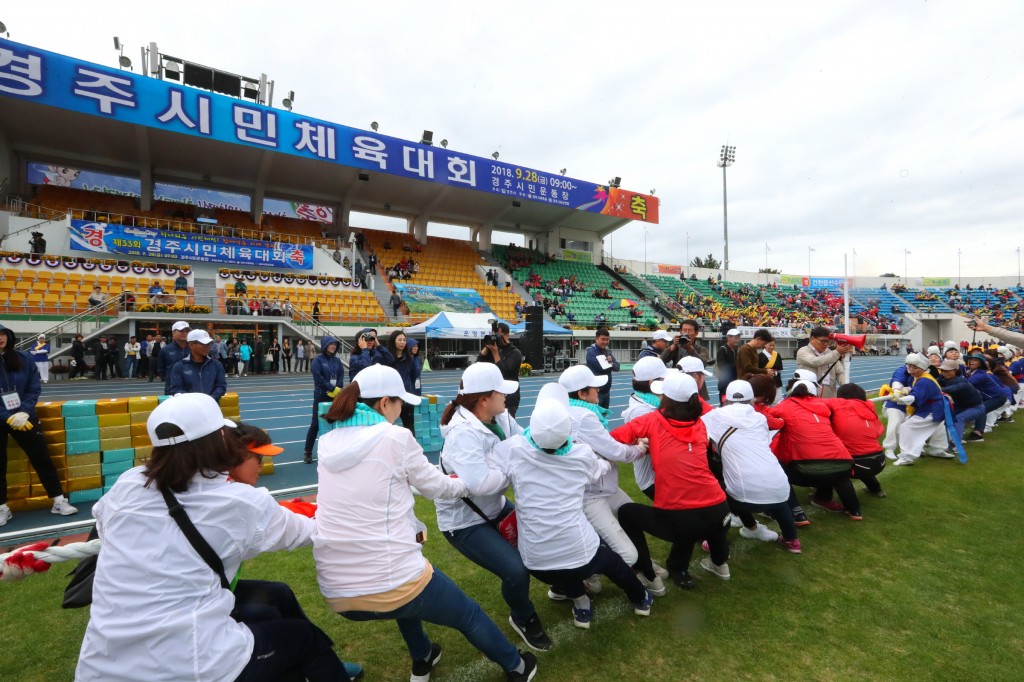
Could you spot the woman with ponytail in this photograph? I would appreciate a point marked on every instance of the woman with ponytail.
(472, 425)
(369, 561)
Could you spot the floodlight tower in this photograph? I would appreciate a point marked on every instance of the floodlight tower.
(726, 159)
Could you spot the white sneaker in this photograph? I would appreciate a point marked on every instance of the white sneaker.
(62, 506)
(658, 570)
(721, 571)
(734, 521)
(592, 584)
(903, 462)
(941, 454)
(655, 587)
(759, 532)
(889, 454)
(5, 514)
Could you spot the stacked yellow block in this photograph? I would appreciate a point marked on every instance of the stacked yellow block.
(24, 490)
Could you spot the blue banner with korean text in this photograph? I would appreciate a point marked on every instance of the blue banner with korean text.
(120, 240)
(48, 78)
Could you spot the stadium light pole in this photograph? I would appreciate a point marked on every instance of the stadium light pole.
(905, 277)
(726, 159)
(645, 250)
(687, 249)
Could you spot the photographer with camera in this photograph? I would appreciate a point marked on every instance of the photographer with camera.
(499, 351)
(1005, 335)
(368, 351)
(37, 244)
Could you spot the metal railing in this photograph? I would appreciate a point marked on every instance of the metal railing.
(61, 335)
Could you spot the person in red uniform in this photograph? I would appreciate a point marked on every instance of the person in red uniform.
(689, 504)
(855, 420)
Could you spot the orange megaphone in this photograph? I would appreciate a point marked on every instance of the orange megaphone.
(855, 340)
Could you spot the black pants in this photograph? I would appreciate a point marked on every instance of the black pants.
(866, 469)
(143, 368)
(512, 402)
(288, 363)
(408, 417)
(78, 370)
(824, 485)
(100, 369)
(682, 527)
(780, 511)
(569, 581)
(115, 370)
(35, 447)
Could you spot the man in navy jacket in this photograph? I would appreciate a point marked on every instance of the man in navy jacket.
(198, 373)
(172, 352)
(328, 376)
(598, 351)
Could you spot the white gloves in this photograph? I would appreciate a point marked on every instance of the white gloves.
(896, 386)
(74, 364)
(19, 421)
(906, 400)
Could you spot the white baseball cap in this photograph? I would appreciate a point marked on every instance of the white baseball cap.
(692, 364)
(199, 335)
(180, 325)
(578, 377)
(550, 424)
(484, 377)
(381, 381)
(662, 335)
(918, 360)
(811, 387)
(649, 369)
(554, 391)
(196, 414)
(806, 375)
(676, 385)
(739, 390)
(733, 332)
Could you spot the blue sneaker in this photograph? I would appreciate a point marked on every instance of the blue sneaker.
(581, 618)
(643, 607)
(354, 670)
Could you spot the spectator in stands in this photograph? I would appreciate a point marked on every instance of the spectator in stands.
(396, 302)
(359, 274)
(77, 358)
(748, 356)
(37, 244)
(508, 358)
(19, 422)
(387, 245)
(240, 288)
(181, 285)
(367, 351)
(41, 357)
(372, 262)
(128, 301)
(132, 348)
(316, 311)
(198, 372)
(171, 353)
(826, 364)
(99, 355)
(97, 296)
(157, 295)
(336, 256)
(659, 343)
(265, 308)
(254, 307)
(725, 361)
(328, 377)
(601, 362)
(275, 308)
(287, 309)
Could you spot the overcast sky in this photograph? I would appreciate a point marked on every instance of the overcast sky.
(875, 126)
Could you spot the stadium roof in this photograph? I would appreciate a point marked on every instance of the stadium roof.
(54, 119)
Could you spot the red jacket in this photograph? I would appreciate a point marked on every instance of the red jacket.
(774, 423)
(678, 452)
(857, 425)
(808, 433)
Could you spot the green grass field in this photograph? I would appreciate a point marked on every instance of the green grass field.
(927, 587)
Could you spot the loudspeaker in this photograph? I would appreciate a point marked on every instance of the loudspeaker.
(532, 340)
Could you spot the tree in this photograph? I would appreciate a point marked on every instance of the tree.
(710, 263)
(888, 274)
(770, 271)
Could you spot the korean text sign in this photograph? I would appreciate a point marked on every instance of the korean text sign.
(52, 79)
(106, 239)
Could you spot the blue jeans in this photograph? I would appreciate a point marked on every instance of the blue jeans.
(485, 547)
(974, 414)
(130, 364)
(443, 603)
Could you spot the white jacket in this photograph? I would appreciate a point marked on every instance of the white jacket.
(467, 452)
(643, 472)
(553, 531)
(587, 429)
(365, 540)
(158, 611)
(752, 473)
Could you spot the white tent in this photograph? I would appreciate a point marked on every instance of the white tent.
(455, 326)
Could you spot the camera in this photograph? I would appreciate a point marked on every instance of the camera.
(369, 336)
(488, 339)
(972, 324)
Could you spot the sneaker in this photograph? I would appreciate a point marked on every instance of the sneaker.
(643, 607)
(421, 669)
(827, 505)
(307, 457)
(974, 437)
(721, 571)
(759, 532)
(889, 454)
(800, 518)
(553, 595)
(62, 506)
(354, 670)
(855, 516)
(792, 546)
(903, 462)
(592, 584)
(581, 618)
(532, 633)
(655, 587)
(734, 521)
(1005, 419)
(529, 669)
(5, 514)
(941, 454)
(683, 579)
(658, 570)
(880, 493)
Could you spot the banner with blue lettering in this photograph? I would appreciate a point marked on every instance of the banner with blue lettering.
(103, 238)
(56, 80)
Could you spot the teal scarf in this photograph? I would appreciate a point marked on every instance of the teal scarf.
(363, 416)
(601, 412)
(649, 398)
(560, 451)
